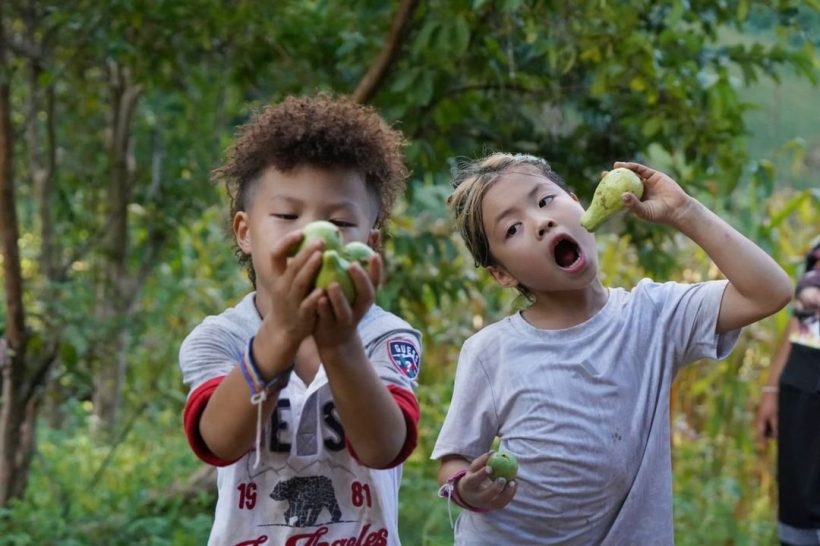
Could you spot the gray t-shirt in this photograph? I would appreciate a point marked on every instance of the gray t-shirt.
(586, 412)
(307, 484)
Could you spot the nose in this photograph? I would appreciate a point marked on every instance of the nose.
(544, 225)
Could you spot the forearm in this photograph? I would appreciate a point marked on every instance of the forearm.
(782, 355)
(752, 272)
(228, 423)
(758, 286)
(450, 465)
(373, 422)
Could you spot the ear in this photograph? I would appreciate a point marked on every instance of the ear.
(574, 197)
(242, 231)
(502, 276)
(374, 239)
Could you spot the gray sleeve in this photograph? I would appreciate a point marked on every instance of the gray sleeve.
(209, 351)
(396, 356)
(471, 423)
(690, 313)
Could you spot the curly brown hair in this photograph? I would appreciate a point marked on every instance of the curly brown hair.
(323, 131)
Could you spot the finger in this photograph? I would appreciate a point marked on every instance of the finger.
(338, 301)
(307, 268)
(365, 292)
(480, 462)
(286, 244)
(760, 428)
(773, 427)
(324, 309)
(310, 305)
(642, 170)
(475, 483)
(375, 268)
(506, 494)
(633, 204)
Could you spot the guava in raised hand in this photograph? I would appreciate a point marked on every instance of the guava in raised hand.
(357, 252)
(607, 200)
(334, 269)
(503, 464)
(320, 229)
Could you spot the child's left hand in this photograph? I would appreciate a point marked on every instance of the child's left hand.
(663, 202)
(337, 319)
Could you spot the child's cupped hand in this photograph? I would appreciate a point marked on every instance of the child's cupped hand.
(478, 489)
(294, 301)
(338, 318)
(663, 202)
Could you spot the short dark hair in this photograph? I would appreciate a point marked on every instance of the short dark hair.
(323, 131)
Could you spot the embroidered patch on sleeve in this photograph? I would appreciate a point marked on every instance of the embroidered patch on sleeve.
(404, 355)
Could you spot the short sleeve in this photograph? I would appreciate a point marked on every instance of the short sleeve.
(471, 423)
(689, 317)
(396, 356)
(208, 352)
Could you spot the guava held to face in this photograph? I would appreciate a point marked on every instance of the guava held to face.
(320, 229)
(334, 269)
(357, 252)
(503, 464)
(607, 200)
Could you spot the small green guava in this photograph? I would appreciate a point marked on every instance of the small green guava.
(607, 200)
(334, 269)
(357, 252)
(503, 464)
(320, 229)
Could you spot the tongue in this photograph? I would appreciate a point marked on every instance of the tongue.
(565, 254)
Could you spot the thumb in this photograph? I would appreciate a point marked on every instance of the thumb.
(633, 204)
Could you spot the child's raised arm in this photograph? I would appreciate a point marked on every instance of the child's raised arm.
(758, 286)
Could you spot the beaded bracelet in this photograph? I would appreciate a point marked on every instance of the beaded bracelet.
(449, 491)
(260, 390)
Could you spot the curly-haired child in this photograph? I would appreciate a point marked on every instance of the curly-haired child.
(304, 401)
(577, 384)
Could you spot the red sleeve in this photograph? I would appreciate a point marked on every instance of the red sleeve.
(409, 407)
(193, 413)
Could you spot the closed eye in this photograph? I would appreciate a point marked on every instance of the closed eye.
(342, 223)
(284, 216)
(546, 200)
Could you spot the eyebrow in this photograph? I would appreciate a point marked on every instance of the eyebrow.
(346, 205)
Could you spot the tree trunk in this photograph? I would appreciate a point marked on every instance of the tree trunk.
(111, 294)
(13, 425)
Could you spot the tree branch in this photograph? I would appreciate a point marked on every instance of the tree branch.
(375, 75)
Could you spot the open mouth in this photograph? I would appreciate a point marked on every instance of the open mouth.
(566, 253)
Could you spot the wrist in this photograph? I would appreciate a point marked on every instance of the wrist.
(688, 215)
(272, 352)
(450, 491)
(342, 351)
(261, 386)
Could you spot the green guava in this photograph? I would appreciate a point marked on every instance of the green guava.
(334, 269)
(503, 465)
(357, 252)
(606, 200)
(320, 229)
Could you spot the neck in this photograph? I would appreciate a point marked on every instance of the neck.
(560, 310)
